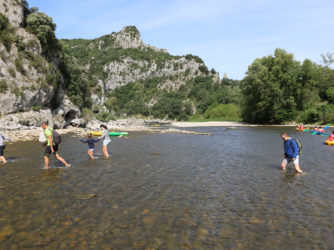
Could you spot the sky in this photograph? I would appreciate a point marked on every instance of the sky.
(227, 34)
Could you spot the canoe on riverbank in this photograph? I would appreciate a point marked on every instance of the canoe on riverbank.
(99, 133)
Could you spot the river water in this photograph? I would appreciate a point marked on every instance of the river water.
(171, 191)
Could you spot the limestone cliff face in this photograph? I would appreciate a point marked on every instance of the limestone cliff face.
(27, 77)
(13, 10)
(122, 57)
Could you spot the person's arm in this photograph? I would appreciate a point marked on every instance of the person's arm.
(96, 140)
(295, 149)
(51, 143)
(84, 140)
(102, 136)
(7, 138)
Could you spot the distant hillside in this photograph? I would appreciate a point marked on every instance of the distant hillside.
(125, 75)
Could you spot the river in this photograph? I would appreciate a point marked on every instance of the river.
(171, 191)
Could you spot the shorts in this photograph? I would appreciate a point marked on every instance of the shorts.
(2, 148)
(288, 160)
(105, 143)
(91, 149)
(48, 151)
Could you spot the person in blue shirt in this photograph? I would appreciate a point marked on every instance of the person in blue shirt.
(291, 153)
(91, 147)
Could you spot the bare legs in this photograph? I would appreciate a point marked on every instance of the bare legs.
(46, 161)
(58, 157)
(3, 159)
(295, 164)
(90, 153)
(105, 151)
(298, 168)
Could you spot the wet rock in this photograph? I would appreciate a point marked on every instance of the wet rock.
(5, 232)
(86, 196)
(254, 220)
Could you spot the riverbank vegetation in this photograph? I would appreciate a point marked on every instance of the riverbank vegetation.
(278, 89)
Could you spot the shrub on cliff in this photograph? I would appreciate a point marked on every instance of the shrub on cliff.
(6, 36)
(43, 27)
(3, 86)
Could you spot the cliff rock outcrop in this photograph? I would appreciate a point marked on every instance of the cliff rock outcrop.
(29, 80)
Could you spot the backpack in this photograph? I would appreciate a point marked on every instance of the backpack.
(56, 137)
(299, 145)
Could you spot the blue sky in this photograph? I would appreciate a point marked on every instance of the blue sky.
(227, 34)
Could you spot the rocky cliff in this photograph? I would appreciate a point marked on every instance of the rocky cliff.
(29, 80)
(122, 58)
(116, 74)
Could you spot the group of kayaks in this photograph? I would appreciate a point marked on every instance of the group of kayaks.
(114, 134)
(314, 132)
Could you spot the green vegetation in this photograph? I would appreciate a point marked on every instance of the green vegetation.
(6, 32)
(228, 111)
(200, 94)
(43, 27)
(3, 86)
(279, 89)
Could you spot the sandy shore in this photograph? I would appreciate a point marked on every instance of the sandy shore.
(33, 134)
(223, 124)
(210, 124)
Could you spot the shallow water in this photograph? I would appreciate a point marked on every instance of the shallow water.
(170, 191)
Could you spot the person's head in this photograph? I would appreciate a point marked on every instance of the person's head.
(320, 127)
(89, 135)
(103, 127)
(45, 124)
(285, 136)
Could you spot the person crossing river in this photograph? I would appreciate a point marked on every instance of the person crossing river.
(50, 146)
(106, 139)
(291, 153)
(2, 147)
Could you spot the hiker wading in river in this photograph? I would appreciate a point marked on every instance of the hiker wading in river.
(50, 146)
(291, 153)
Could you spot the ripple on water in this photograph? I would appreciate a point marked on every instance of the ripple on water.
(170, 191)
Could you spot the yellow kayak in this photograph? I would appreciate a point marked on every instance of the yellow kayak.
(300, 129)
(329, 143)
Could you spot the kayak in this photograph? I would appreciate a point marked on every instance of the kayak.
(317, 133)
(300, 129)
(329, 143)
(99, 133)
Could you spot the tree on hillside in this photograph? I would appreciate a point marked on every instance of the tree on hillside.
(270, 89)
(43, 27)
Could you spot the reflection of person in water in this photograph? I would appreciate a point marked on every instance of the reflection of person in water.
(2, 147)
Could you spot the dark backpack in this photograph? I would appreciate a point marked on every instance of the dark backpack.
(300, 147)
(56, 137)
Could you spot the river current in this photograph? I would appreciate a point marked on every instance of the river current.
(170, 191)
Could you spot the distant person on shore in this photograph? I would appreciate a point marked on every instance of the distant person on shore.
(50, 146)
(91, 147)
(291, 153)
(2, 147)
(321, 130)
(106, 139)
(301, 127)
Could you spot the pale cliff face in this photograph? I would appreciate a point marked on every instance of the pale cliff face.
(13, 10)
(25, 73)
